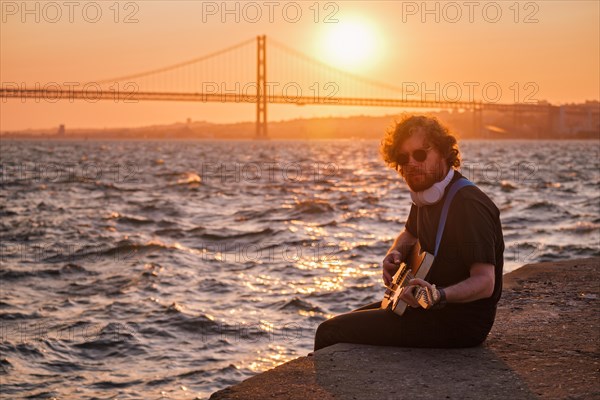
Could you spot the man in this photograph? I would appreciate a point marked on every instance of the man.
(467, 270)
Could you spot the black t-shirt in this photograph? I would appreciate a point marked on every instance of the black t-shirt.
(473, 233)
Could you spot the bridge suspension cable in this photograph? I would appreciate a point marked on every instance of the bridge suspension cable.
(348, 84)
(176, 66)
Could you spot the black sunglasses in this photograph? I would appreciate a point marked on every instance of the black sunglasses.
(418, 155)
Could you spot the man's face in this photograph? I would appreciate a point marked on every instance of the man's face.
(422, 175)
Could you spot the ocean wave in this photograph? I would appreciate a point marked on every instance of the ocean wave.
(7, 213)
(102, 185)
(169, 174)
(582, 227)
(166, 208)
(189, 178)
(192, 373)
(108, 385)
(62, 366)
(13, 274)
(568, 251)
(155, 332)
(508, 186)
(545, 206)
(112, 340)
(252, 215)
(5, 366)
(200, 324)
(331, 223)
(312, 207)
(231, 368)
(4, 304)
(297, 304)
(174, 233)
(18, 315)
(212, 285)
(124, 250)
(160, 381)
(229, 234)
(24, 350)
(50, 395)
(114, 285)
(129, 219)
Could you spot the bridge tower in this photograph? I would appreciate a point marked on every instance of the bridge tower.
(261, 87)
(477, 111)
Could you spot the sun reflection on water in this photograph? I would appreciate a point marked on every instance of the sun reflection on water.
(274, 356)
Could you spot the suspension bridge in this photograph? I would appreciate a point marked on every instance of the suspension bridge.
(239, 74)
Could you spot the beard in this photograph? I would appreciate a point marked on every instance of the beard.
(419, 179)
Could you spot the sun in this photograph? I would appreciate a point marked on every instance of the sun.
(351, 45)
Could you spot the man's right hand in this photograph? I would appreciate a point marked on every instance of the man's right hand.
(391, 262)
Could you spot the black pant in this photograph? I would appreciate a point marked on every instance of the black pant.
(446, 327)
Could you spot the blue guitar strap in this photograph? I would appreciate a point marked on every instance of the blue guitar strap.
(456, 186)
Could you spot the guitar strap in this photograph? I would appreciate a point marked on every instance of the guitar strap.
(456, 186)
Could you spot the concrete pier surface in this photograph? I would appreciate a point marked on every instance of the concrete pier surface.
(545, 344)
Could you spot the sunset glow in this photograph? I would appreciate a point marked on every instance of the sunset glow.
(351, 45)
(522, 51)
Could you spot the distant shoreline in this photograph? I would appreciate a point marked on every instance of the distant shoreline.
(79, 139)
(494, 126)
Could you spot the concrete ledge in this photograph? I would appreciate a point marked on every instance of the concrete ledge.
(545, 344)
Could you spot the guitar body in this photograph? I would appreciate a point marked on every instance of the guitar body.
(417, 265)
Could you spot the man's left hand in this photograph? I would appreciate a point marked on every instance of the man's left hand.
(415, 283)
(408, 293)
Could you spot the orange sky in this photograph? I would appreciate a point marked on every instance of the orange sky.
(554, 45)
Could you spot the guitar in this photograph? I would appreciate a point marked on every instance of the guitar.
(417, 265)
